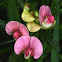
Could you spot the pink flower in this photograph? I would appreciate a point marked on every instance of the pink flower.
(16, 28)
(45, 17)
(30, 45)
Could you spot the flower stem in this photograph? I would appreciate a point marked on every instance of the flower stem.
(7, 42)
(54, 53)
(28, 60)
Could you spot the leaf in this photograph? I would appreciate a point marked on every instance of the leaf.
(35, 4)
(22, 2)
(2, 24)
(60, 56)
(3, 2)
(42, 57)
(17, 15)
(43, 2)
(54, 53)
(11, 9)
(16, 58)
(60, 4)
(54, 45)
(53, 5)
(6, 42)
(60, 10)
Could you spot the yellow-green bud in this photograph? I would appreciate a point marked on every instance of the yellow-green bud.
(33, 27)
(27, 17)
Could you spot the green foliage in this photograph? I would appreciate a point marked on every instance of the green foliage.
(53, 5)
(14, 58)
(54, 53)
(2, 24)
(11, 9)
(3, 3)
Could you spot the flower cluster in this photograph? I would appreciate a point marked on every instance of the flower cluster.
(45, 18)
(30, 45)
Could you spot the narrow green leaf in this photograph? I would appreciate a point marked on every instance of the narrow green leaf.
(53, 5)
(2, 2)
(6, 42)
(60, 57)
(2, 24)
(17, 15)
(60, 10)
(22, 2)
(11, 9)
(43, 2)
(14, 58)
(54, 45)
(54, 53)
(42, 57)
(60, 4)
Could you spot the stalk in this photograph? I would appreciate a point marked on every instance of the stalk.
(54, 53)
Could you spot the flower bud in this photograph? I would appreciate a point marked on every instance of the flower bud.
(33, 27)
(16, 35)
(26, 16)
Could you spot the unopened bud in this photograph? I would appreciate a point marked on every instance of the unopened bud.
(27, 17)
(16, 35)
(33, 27)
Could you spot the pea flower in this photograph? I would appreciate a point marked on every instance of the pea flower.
(30, 45)
(46, 19)
(16, 28)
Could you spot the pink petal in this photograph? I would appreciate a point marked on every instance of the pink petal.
(16, 35)
(23, 30)
(40, 19)
(11, 27)
(48, 11)
(42, 11)
(47, 21)
(21, 44)
(37, 47)
(51, 18)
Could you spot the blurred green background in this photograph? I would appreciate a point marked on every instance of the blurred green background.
(51, 39)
